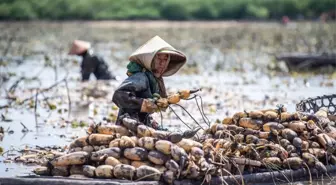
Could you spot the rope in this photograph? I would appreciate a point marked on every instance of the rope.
(205, 118)
(200, 108)
(188, 114)
(179, 117)
(161, 118)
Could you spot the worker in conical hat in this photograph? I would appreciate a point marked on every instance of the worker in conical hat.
(90, 63)
(148, 64)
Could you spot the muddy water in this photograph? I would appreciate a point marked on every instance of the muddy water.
(226, 89)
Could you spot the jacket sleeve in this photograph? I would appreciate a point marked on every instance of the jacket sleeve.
(102, 69)
(126, 95)
(85, 76)
(87, 67)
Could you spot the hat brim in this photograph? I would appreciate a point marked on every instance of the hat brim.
(171, 52)
(177, 60)
(79, 47)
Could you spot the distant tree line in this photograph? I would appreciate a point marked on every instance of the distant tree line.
(162, 9)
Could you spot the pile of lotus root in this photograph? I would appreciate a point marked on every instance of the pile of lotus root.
(248, 142)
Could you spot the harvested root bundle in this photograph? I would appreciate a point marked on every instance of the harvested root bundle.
(293, 162)
(298, 126)
(172, 166)
(62, 171)
(197, 153)
(228, 121)
(112, 161)
(237, 116)
(321, 167)
(246, 142)
(326, 142)
(131, 124)
(187, 144)
(169, 176)
(251, 139)
(160, 168)
(124, 160)
(104, 171)
(108, 152)
(173, 137)
(174, 99)
(79, 142)
(264, 135)
(270, 116)
(76, 169)
(250, 123)
(136, 154)
(144, 131)
(112, 129)
(314, 144)
(147, 143)
(297, 142)
(124, 171)
(157, 157)
(256, 115)
(123, 142)
(88, 149)
(217, 127)
(76, 158)
(287, 117)
(272, 162)
(89, 171)
(148, 173)
(100, 139)
(164, 146)
(185, 94)
(288, 134)
(178, 153)
(267, 127)
(42, 170)
(305, 146)
(309, 159)
(137, 164)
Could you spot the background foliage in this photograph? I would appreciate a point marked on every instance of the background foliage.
(158, 9)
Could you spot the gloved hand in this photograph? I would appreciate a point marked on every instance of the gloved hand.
(148, 105)
(162, 103)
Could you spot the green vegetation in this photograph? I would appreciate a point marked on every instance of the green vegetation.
(158, 9)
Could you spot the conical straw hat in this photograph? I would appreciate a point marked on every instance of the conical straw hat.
(79, 47)
(145, 54)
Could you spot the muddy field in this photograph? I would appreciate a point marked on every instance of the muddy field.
(233, 63)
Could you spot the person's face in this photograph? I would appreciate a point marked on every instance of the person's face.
(160, 64)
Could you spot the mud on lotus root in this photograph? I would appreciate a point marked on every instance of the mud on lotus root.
(247, 142)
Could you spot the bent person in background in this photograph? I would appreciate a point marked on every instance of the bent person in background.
(90, 63)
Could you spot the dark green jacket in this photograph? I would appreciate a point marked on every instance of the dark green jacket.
(130, 94)
(96, 65)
